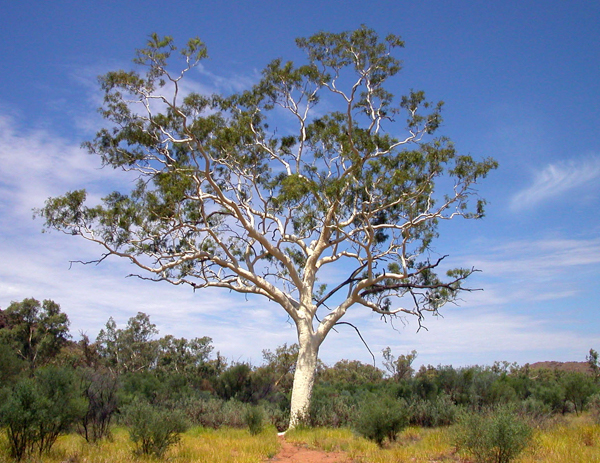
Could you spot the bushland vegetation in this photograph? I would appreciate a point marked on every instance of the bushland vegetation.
(131, 382)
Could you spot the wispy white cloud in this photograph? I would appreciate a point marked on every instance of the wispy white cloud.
(474, 334)
(226, 84)
(541, 259)
(492, 325)
(36, 164)
(556, 180)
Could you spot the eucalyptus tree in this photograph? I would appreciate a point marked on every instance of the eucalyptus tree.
(316, 170)
(35, 331)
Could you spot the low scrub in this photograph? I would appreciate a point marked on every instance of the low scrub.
(498, 436)
(255, 419)
(379, 419)
(594, 407)
(432, 413)
(36, 411)
(152, 429)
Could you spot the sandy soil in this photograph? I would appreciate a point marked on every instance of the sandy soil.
(292, 453)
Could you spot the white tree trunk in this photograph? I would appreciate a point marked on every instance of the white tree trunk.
(304, 377)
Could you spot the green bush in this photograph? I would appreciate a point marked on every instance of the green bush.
(381, 418)
(594, 407)
(100, 389)
(255, 417)
(211, 412)
(152, 429)
(535, 412)
(494, 437)
(432, 413)
(331, 409)
(20, 414)
(62, 404)
(37, 410)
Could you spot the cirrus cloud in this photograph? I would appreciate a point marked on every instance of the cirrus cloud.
(555, 180)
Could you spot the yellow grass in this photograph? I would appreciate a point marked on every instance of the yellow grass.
(570, 440)
(413, 444)
(576, 440)
(197, 445)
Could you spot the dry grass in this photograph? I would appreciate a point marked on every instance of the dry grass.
(572, 440)
(576, 440)
(413, 444)
(197, 445)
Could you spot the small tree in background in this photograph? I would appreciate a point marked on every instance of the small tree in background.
(36, 331)
(592, 360)
(400, 368)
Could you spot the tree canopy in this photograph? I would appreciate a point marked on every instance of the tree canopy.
(318, 166)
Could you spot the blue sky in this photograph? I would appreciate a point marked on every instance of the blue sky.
(521, 83)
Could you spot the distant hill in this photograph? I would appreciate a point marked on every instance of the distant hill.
(581, 367)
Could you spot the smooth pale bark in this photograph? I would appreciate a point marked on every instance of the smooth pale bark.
(304, 376)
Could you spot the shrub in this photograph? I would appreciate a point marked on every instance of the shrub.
(100, 389)
(594, 407)
(211, 412)
(381, 418)
(331, 410)
(277, 416)
(19, 413)
(432, 413)
(62, 404)
(152, 429)
(535, 412)
(37, 410)
(254, 418)
(494, 437)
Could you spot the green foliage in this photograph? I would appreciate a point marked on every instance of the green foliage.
(20, 415)
(235, 383)
(400, 368)
(100, 389)
(131, 349)
(63, 403)
(282, 365)
(578, 387)
(332, 408)
(495, 437)
(594, 407)
(211, 412)
(255, 417)
(351, 373)
(35, 331)
(152, 429)
(433, 413)
(37, 410)
(379, 419)
(11, 365)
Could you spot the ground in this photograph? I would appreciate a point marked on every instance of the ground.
(300, 453)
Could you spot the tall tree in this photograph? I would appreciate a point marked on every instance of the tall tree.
(317, 167)
(131, 349)
(36, 331)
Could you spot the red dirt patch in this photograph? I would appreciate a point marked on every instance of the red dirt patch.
(300, 453)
